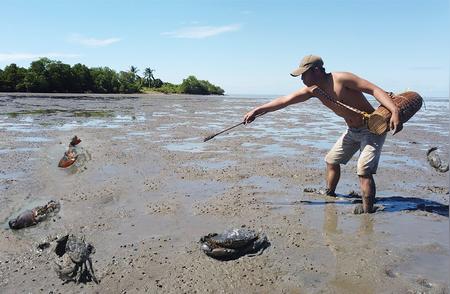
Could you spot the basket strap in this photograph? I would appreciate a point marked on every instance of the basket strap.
(325, 94)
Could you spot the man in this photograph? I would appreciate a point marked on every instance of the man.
(347, 88)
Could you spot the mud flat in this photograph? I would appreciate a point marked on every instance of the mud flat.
(152, 188)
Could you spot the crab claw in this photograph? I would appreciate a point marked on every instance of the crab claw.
(25, 219)
(75, 141)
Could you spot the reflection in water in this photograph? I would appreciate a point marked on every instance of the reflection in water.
(351, 270)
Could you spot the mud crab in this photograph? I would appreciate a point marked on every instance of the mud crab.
(34, 216)
(435, 161)
(76, 264)
(234, 243)
(71, 155)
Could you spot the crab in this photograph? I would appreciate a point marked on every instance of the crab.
(435, 161)
(34, 216)
(71, 155)
(233, 243)
(76, 262)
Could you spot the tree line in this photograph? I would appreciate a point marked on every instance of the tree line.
(48, 76)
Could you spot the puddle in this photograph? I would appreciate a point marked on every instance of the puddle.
(21, 149)
(95, 123)
(27, 119)
(19, 127)
(160, 113)
(92, 113)
(11, 176)
(33, 112)
(139, 134)
(424, 265)
(393, 160)
(33, 139)
(193, 145)
(186, 147)
(171, 126)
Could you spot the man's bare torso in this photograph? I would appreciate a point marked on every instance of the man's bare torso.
(348, 96)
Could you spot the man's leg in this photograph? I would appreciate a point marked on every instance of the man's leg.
(368, 190)
(340, 153)
(367, 166)
(333, 176)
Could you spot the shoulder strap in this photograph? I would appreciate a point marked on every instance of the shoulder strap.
(325, 94)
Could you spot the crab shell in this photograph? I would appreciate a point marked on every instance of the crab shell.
(232, 243)
(70, 156)
(68, 159)
(435, 161)
(76, 248)
(234, 239)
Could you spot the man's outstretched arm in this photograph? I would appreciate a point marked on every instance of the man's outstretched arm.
(281, 102)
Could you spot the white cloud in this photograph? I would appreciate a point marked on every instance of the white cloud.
(10, 57)
(201, 32)
(92, 42)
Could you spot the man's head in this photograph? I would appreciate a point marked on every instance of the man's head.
(310, 68)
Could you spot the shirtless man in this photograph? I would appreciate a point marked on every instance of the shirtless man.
(347, 88)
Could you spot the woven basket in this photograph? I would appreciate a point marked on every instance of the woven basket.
(408, 104)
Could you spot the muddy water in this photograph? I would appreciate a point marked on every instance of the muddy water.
(151, 188)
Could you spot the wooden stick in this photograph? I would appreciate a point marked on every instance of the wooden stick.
(221, 132)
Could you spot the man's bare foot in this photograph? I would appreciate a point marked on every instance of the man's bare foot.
(354, 194)
(324, 192)
(360, 210)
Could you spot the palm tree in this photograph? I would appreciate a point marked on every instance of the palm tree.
(134, 69)
(148, 75)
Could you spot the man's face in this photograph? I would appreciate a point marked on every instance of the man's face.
(308, 77)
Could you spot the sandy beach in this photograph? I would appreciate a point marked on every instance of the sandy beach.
(152, 188)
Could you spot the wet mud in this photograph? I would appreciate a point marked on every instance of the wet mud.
(151, 188)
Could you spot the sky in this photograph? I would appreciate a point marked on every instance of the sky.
(245, 47)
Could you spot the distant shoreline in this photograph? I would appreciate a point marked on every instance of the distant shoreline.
(98, 95)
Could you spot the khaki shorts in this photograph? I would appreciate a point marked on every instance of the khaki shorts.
(353, 139)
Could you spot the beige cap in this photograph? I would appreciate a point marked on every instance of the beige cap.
(307, 62)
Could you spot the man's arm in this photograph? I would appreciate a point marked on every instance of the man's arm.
(354, 82)
(281, 102)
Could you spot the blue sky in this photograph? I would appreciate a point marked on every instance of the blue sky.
(246, 47)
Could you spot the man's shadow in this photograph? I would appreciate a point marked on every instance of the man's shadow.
(390, 203)
(399, 203)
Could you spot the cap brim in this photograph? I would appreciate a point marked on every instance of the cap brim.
(298, 71)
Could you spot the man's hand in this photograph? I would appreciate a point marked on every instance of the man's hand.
(250, 116)
(395, 122)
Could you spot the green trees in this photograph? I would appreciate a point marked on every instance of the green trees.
(193, 86)
(59, 77)
(105, 80)
(11, 78)
(82, 79)
(45, 75)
